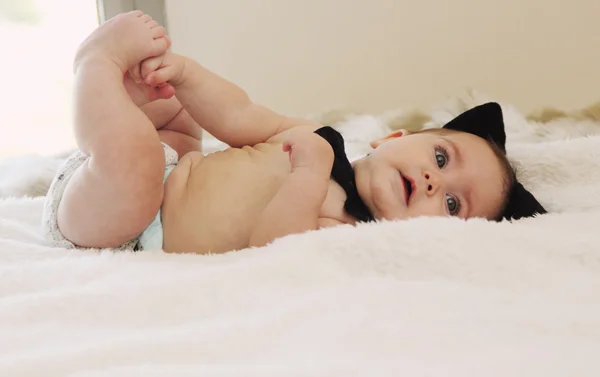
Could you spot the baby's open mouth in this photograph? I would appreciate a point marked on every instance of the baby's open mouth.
(407, 188)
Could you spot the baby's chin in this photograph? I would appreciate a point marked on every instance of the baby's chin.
(364, 187)
(382, 207)
(377, 213)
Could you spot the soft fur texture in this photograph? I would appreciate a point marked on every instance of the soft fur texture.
(424, 297)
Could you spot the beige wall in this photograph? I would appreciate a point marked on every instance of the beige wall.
(302, 56)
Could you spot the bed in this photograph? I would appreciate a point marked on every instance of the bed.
(425, 297)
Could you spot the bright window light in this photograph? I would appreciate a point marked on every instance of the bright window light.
(39, 41)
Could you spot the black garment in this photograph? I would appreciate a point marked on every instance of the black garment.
(343, 174)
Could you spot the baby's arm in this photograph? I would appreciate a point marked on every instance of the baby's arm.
(222, 108)
(296, 206)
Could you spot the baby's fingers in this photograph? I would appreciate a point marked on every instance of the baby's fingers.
(160, 76)
(150, 65)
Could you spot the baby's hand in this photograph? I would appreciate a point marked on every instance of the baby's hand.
(159, 71)
(309, 152)
(163, 70)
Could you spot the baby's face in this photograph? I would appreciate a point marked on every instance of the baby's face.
(431, 174)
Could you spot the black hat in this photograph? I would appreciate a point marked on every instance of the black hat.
(486, 121)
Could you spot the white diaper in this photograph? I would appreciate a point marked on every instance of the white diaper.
(150, 239)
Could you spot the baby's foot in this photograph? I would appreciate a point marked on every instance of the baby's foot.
(126, 39)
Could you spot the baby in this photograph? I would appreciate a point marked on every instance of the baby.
(140, 181)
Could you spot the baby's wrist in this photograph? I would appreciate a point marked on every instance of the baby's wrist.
(180, 79)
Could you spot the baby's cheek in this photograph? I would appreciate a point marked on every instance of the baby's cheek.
(426, 207)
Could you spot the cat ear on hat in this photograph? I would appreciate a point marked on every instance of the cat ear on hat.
(485, 121)
(521, 203)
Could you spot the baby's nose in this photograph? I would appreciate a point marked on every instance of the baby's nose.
(432, 183)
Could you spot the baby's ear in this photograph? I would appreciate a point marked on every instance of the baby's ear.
(393, 135)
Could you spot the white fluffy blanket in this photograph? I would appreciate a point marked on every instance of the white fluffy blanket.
(425, 297)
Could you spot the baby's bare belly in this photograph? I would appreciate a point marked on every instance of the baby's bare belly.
(212, 203)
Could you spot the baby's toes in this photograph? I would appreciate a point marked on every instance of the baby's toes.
(159, 46)
(158, 31)
(165, 91)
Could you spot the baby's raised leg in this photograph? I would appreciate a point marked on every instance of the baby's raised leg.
(117, 192)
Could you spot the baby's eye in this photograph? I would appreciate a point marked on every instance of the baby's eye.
(441, 157)
(452, 204)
